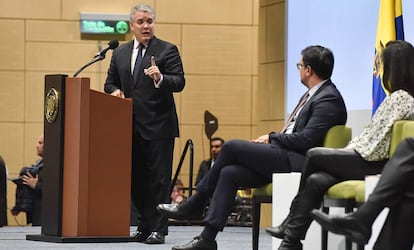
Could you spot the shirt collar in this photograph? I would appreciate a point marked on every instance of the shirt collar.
(315, 88)
(136, 44)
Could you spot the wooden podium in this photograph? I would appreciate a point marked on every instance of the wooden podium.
(87, 164)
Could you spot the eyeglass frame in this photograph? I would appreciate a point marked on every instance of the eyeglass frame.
(299, 65)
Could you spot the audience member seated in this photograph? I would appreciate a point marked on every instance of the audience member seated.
(241, 214)
(395, 190)
(366, 154)
(215, 146)
(29, 189)
(177, 195)
(3, 193)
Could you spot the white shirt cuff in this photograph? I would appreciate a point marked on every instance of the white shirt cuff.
(157, 84)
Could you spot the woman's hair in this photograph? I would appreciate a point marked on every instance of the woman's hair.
(398, 66)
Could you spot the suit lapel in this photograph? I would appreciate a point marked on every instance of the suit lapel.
(307, 104)
(128, 54)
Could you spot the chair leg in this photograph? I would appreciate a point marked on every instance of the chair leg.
(360, 247)
(348, 242)
(256, 225)
(324, 232)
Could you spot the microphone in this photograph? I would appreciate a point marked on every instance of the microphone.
(111, 45)
(100, 56)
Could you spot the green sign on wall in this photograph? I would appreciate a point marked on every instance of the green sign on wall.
(105, 24)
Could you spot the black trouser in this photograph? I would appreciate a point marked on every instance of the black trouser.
(395, 190)
(240, 164)
(323, 168)
(150, 181)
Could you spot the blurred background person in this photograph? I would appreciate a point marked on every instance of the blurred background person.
(177, 195)
(215, 146)
(3, 193)
(29, 189)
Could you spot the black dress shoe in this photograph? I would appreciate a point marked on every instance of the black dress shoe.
(198, 243)
(278, 231)
(140, 236)
(290, 245)
(346, 225)
(155, 238)
(182, 211)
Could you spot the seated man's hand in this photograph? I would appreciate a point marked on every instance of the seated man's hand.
(261, 139)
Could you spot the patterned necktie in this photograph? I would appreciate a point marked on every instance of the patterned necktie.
(137, 64)
(292, 115)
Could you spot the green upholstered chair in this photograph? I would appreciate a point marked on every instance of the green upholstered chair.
(351, 194)
(260, 195)
(337, 137)
(400, 131)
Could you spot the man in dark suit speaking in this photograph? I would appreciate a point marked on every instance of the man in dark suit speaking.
(244, 164)
(149, 70)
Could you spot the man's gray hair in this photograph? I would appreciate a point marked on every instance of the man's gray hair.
(143, 8)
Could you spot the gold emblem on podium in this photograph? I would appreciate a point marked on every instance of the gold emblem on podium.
(51, 105)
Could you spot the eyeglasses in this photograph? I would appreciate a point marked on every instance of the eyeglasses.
(299, 65)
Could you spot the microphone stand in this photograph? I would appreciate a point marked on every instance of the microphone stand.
(94, 60)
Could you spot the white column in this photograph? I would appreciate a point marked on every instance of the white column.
(285, 187)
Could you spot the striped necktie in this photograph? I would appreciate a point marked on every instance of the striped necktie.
(292, 115)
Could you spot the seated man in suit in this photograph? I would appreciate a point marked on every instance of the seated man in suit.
(249, 164)
(365, 154)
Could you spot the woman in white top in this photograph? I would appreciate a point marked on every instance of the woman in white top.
(366, 154)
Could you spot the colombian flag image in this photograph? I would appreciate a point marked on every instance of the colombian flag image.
(390, 27)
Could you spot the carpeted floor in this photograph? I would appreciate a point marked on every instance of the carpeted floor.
(238, 238)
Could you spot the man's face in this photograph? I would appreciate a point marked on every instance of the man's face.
(39, 146)
(303, 72)
(215, 148)
(143, 26)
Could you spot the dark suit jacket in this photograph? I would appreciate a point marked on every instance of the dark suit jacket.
(154, 109)
(37, 199)
(324, 109)
(203, 170)
(27, 199)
